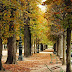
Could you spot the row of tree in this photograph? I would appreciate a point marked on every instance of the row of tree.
(59, 16)
(21, 17)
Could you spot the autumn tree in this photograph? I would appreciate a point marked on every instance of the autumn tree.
(68, 4)
(8, 28)
(66, 23)
(1, 67)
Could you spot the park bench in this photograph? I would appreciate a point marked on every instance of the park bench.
(52, 58)
(52, 69)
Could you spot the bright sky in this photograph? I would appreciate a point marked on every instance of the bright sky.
(43, 8)
(43, 0)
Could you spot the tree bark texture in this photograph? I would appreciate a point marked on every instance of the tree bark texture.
(64, 48)
(61, 47)
(56, 46)
(27, 41)
(11, 59)
(68, 57)
(27, 33)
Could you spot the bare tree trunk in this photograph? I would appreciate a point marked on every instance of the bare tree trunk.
(27, 41)
(11, 59)
(68, 57)
(64, 49)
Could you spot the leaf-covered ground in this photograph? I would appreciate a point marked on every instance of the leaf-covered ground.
(35, 63)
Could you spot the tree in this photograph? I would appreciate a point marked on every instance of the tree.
(68, 4)
(1, 68)
(8, 18)
(27, 41)
(27, 33)
(65, 8)
(11, 59)
(64, 46)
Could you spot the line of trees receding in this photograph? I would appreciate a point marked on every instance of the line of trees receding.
(36, 27)
(20, 18)
(59, 16)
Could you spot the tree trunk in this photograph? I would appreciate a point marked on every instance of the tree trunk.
(27, 33)
(68, 4)
(58, 47)
(34, 46)
(61, 47)
(0, 53)
(41, 47)
(27, 41)
(1, 18)
(54, 47)
(38, 47)
(11, 59)
(45, 46)
(64, 49)
(68, 57)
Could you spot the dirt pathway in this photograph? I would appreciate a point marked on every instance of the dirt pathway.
(35, 63)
